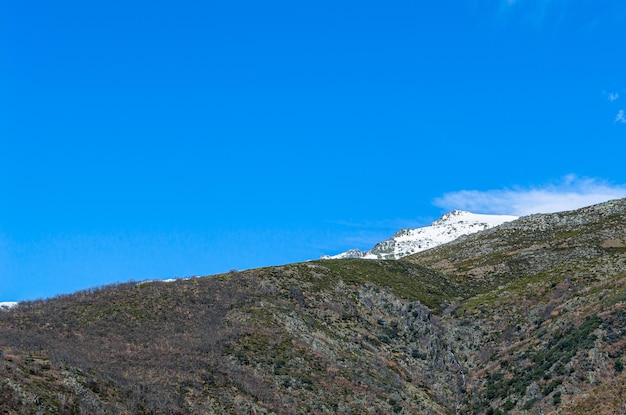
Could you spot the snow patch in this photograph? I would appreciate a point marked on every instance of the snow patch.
(6, 305)
(167, 280)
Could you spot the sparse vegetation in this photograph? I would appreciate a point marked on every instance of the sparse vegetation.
(511, 320)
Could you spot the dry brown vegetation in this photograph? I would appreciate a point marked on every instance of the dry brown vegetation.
(529, 317)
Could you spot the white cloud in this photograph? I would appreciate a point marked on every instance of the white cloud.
(613, 96)
(568, 194)
(620, 118)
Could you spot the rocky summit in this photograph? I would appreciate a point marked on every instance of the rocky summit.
(528, 317)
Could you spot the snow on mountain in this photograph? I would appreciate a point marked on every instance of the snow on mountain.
(446, 229)
(5, 305)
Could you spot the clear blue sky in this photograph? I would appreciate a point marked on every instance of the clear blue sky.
(144, 140)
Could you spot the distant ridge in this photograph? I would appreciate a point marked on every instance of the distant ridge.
(447, 228)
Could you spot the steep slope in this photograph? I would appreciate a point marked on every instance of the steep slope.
(546, 298)
(525, 318)
(409, 241)
(331, 337)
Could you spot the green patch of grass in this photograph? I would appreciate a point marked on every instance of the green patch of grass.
(616, 250)
(568, 234)
(404, 279)
(511, 292)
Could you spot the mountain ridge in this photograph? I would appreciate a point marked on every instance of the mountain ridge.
(527, 317)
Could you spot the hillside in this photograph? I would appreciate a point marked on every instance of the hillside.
(547, 293)
(527, 317)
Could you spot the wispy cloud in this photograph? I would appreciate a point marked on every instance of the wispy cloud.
(365, 234)
(612, 96)
(620, 118)
(382, 224)
(535, 12)
(569, 193)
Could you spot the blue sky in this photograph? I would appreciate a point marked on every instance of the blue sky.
(145, 140)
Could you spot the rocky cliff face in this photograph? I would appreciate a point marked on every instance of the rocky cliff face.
(546, 293)
(524, 318)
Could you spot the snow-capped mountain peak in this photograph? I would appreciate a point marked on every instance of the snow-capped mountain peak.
(447, 228)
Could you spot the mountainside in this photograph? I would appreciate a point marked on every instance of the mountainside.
(449, 227)
(525, 318)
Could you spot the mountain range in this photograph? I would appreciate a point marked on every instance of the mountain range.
(527, 317)
(405, 242)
